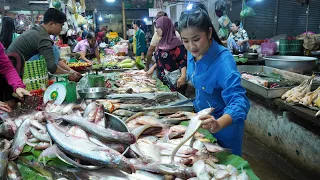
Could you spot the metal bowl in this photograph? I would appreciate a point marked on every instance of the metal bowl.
(297, 64)
(93, 93)
(115, 123)
(251, 55)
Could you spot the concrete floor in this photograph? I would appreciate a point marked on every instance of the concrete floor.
(267, 164)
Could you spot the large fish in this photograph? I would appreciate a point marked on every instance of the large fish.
(4, 152)
(193, 127)
(20, 139)
(86, 150)
(105, 134)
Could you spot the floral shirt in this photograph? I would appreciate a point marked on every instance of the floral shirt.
(240, 35)
(170, 60)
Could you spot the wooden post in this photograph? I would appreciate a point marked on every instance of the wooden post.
(124, 24)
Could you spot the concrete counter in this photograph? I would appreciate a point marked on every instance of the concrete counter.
(291, 131)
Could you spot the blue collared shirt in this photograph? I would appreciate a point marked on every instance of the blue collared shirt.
(218, 84)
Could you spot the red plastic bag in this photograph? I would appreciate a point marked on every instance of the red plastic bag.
(268, 47)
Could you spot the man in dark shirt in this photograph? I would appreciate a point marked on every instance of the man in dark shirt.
(37, 40)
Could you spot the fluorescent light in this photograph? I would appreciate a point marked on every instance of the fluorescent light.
(110, 0)
(100, 18)
(21, 22)
(189, 7)
(145, 19)
(258, 0)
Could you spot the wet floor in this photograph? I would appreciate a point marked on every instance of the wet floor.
(267, 164)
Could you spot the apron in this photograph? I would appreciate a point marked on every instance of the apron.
(134, 43)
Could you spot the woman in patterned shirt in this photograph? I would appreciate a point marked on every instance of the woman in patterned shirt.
(170, 56)
(238, 39)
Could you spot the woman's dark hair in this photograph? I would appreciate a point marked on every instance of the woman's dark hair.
(137, 22)
(90, 36)
(237, 23)
(198, 17)
(7, 31)
(176, 25)
(55, 16)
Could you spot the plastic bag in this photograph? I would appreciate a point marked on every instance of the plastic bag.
(269, 47)
(247, 11)
(83, 83)
(223, 33)
(172, 77)
(224, 21)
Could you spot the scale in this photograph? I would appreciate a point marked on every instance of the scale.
(61, 91)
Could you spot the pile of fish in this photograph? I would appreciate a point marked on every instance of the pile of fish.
(302, 94)
(135, 81)
(79, 134)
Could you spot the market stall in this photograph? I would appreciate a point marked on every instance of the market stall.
(144, 134)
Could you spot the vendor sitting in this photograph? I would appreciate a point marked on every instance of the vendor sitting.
(88, 49)
(238, 39)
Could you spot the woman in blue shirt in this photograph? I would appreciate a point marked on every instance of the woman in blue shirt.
(213, 73)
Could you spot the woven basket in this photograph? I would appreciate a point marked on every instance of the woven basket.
(35, 74)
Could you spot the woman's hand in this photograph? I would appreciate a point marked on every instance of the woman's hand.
(181, 81)
(239, 43)
(210, 123)
(150, 72)
(22, 92)
(5, 107)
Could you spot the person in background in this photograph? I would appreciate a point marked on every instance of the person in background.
(10, 81)
(213, 72)
(176, 24)
(154, 42)
(139, 41)
(171, 55)
(37, 41)
(8, 33)
(88, 49)
(238, 39)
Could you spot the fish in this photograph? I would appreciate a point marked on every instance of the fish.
(86, 150)
(149, 150)
(76, 131)
(131, 154)
(47, 171)
(133, 100)
(122, 112)
(183, 149)
(8, 128)
(68, 109)
(20, 139)
(133, 124)
(145, 130)
(38, 125)
(105, 134)
(152, 139)
(200, 169)
(39, 116)
(13, 172)
(214, 147)
(134, 116)
(89, 109)
(149, 120)
(50, 152)
(4, 152)
(178, 160)
(100, 118)
(178, 170)
(129, 107)
(41, 136)
(42, 146)
(193, 127)
(117, 147)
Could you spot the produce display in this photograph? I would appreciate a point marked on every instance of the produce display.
(78, 64)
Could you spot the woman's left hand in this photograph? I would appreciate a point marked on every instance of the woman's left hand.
(22, 92)
(210, 123)
(181, 81)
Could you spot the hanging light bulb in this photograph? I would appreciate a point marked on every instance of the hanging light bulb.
(21, 22)
(189, 7)
(100, 18)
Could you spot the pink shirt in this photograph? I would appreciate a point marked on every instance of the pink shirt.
(84, 46)
(9, 72)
